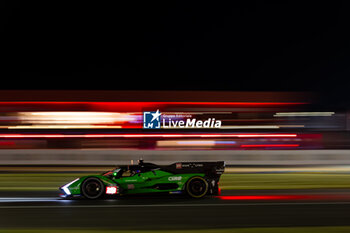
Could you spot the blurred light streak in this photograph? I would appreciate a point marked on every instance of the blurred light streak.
(265, 135)
(207, 143)
(83, 114)
(185, 143)
(291, 126)
(285, 197)
(194, 143)
(7, 143)
(137, 106)
(74, 117)
(270, 145)
(140, 126)
(146, 103)
(195, 112)
(225, 142)
(142, 135)
(294, 114)
(250, 127)
(64, 127)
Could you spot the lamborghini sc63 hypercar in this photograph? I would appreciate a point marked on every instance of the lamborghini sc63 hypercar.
(196, 179)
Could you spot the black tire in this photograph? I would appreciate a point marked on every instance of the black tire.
(196, 187)
(92, 188)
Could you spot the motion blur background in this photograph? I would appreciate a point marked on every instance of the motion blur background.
(76, 77)
(105, 128)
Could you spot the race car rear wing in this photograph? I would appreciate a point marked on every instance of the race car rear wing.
(212, 169)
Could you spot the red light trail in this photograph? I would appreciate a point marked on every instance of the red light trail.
(143, 135)
(286, 197)
(132, 106)
(269, 145)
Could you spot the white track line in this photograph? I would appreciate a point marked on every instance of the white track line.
(27, 199)
(174, 205)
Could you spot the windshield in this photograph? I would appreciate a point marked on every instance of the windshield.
(113, 172)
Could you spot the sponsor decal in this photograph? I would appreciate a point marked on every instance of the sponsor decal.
(178, 165)
(131, 186)
(192, 165)
(220, 170)
(157, 120)
(111, 190)
(175, 178)
(130, 180)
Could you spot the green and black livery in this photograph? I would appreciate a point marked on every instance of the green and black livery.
(196, 179)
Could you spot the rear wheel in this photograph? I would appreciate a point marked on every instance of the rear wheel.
(92, 188)
(196, 187)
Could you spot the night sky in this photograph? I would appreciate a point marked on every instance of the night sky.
(130, 45)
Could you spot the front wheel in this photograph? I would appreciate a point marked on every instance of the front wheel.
(196, 187)
(92, 188)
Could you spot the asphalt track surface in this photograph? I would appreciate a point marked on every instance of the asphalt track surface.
(246, 209)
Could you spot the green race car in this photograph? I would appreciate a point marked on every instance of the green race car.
(195, 179)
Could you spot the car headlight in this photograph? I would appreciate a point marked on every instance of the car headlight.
(65, 187)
